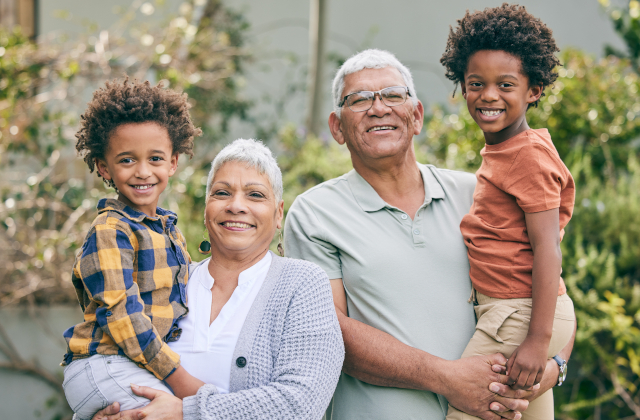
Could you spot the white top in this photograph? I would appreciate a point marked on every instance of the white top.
(206, 351)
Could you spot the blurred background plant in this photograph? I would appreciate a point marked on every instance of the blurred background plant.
(592, 112)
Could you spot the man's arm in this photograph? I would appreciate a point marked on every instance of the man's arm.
(377, 358)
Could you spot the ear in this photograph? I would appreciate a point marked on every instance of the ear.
(418, 117)
(102, 168)
(279, 214)
(174, 164)
(535, 92)
(336, 128)
(463, 88)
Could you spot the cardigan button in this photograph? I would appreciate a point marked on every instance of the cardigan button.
(241, 362)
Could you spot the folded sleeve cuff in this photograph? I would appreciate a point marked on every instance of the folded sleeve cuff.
(190, 408)
(164, 363)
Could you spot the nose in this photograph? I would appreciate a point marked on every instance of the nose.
(490, 94)
(236, 204)
(142, 170)
(378, 108)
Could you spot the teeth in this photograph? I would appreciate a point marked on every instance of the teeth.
(142, 187)
(384, 127)
(237, 225)
(491, 113)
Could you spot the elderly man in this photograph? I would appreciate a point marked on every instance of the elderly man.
(387, 234)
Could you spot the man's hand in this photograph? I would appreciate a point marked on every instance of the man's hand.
(527, 363)
(466, 387)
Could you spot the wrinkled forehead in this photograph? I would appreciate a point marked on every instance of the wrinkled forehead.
(372, 80)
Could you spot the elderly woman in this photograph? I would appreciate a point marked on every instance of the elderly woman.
(261, 331)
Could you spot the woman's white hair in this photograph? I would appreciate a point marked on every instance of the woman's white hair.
(256, 155)
(369, 59)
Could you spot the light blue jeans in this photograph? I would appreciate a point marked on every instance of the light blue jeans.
(93, 383)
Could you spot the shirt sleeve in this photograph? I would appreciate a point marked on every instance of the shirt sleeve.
(183, 241)
(305, 239)
(536, 179)
(106, 270)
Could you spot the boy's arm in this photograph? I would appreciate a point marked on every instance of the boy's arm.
(106, 269)
(528, 361)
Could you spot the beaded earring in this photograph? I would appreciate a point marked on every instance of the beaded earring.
(280, 246)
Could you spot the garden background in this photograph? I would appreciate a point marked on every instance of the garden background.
(252, 76)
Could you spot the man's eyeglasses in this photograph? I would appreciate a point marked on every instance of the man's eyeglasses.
(363, 101)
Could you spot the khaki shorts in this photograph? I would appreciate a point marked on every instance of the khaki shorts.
(502, 326)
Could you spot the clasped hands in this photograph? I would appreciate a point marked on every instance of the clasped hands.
(466, 388)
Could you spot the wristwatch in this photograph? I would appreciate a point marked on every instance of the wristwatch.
(562, 364)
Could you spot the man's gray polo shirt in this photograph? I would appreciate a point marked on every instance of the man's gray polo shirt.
(408, 278)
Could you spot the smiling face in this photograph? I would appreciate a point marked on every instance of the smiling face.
(382, 131)
(139, 161)
(498, 94)
(241, 213)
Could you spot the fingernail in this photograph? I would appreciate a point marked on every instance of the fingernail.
(518, 416)
(134, 386)
(494, 387)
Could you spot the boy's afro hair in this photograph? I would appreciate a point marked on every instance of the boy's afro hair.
(508, 28)
(122, 102)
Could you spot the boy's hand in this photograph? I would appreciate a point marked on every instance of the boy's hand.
(527, 363)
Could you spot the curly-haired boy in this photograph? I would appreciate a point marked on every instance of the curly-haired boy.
(131, 274)
(503, 58)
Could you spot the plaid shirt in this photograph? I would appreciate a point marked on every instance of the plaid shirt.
(131, 284)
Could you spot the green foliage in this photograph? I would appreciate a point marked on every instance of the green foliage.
(601, 251)
(626, 22)
(307, 161)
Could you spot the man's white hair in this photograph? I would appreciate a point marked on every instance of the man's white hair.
(369, 59)
(256, 155)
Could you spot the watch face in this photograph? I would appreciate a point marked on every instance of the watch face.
(563, 373)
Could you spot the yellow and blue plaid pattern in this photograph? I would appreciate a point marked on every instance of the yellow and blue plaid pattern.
(131, 284)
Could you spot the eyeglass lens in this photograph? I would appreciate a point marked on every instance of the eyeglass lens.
(391, 96)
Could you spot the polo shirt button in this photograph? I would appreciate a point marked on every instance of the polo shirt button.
(416, 232)
(241, 362)
(404, 217)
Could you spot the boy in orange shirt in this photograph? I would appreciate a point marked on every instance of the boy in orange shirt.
(503, 58)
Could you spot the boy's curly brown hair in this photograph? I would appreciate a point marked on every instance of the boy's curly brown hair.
(508, 28)
(122, 102)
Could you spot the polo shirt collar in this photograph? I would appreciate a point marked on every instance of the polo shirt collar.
(370, 201)
(111, 204)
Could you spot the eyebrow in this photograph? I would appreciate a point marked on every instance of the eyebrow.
(502, 76)
(248, 184)
(128, 152)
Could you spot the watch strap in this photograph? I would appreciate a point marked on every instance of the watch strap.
(562, 364)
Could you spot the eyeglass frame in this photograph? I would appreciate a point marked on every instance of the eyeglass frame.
(377, 92)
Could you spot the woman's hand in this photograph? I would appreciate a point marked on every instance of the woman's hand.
(163, 406)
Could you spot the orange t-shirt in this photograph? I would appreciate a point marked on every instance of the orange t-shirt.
(521, 175)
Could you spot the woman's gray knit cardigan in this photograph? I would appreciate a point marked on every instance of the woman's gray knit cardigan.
(289, 354)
